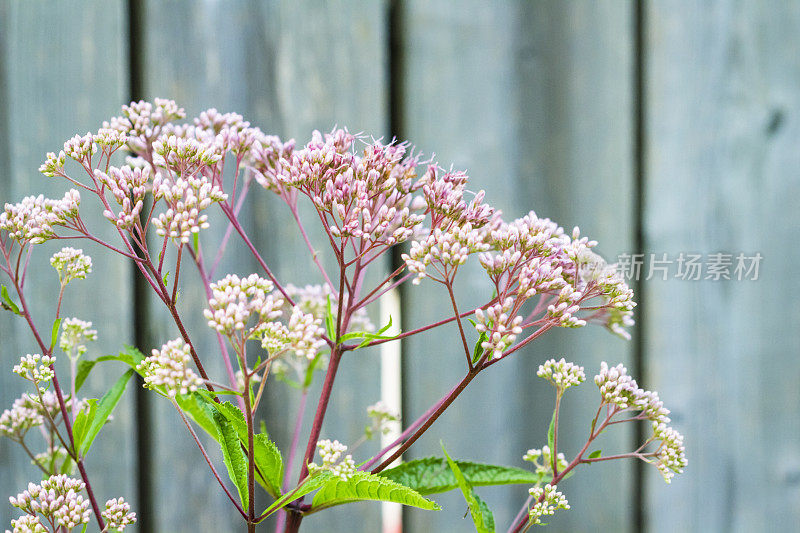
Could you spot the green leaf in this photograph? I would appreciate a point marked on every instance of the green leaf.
(8, 303)
(233, 456)
(551, 433)
(478, 352)
(268, 460)
(83, 420)
(54, 333)
(329, 320)
(309, 484)
(365, 486)
(269, 464)
(130, 356)
(369, 337)
(481, 515)
(595, 454)
(200, 410)
(105, 407)
(195, 242)
(431, 475)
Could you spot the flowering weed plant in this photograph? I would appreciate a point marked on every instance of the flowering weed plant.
(157, 179)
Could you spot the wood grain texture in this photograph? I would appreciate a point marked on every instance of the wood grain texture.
(288, 68)
(534, 100)
(63, 72)
(723, 121)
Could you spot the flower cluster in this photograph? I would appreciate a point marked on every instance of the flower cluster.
(382, 418)
(314, 299)
(35, 368)
(168, 368)
(128, 185)
(71, 264)
(498, 326)
(302, 335)
(33, 220)
(545, 468)
(365, 196)
(561, 374)
(27, 524)
(457, 230)
(234, 301)
(620, 390)
(118, 514)
(142, 121)
(548, 500)
(81, 148)
(75, 333)
(57, 500)
(15, 422)
(186, 197)
(332, 461)
(671, 454)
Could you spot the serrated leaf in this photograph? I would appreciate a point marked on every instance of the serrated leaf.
(269, 464)
(105, 407)
(595, 454)
(8, 303)
(431, 475)
(309, 484)
(54, 333)
(365, 486)
(200, 410)
(482, 517)
(233, 456)
(268, 460)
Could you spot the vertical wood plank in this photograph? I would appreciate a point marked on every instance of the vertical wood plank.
(63, 72)
(534, 100)
(288, 68)
(723, 122)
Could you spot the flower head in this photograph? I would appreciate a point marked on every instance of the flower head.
(117, 514)
(75, 333)
(548, 500)
(332, 461)
(561, 374)
(33, 220)
(35, 368)
(56, 499)
(186, 198)
(235, 301)
(71, 264)
(168, 368)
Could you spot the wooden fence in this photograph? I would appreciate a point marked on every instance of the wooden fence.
(661, 127)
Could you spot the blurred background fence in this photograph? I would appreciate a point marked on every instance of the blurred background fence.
(668, 129)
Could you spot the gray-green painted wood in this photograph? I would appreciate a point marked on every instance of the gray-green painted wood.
(64, 71)
(534, 100)
(722, 159)
(288, 68)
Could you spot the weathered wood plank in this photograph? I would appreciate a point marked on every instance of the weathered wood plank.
(534, 99)
(722, 129)
(289, 68)
(63, 72)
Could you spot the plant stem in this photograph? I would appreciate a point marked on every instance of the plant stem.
(298, 427)
(251, 454)
(444, 404)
